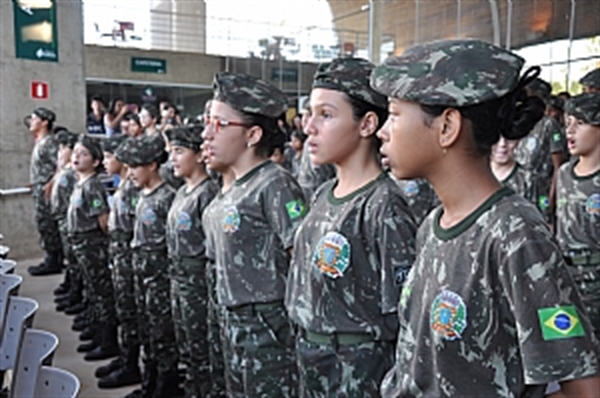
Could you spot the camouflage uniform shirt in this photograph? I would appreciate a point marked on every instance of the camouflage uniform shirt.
(88, 201)
(521, 182)
(64, 182)
(122, 212)
(578, 210)
(351, 257)
(419, 195)
(259, 217)
(43, 160)
(489, 309)
(151, 218)
(185, 236)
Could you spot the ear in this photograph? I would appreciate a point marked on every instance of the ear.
(96, 163)
(449, 127)
(368, 124)
(253, 135)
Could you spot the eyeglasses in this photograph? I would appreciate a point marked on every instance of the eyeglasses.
(218, 124)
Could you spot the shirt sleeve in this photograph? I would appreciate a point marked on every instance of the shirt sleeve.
(555, 337)
(557, 138)
(96, 200)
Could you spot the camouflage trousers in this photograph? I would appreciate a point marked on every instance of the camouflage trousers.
(91, 252)
(45, 221)
(351, 371)
(153, 303)
(73, 271)
(258, 350)
(215, 335)
(189, 298)
(124, 287)
(587, 280)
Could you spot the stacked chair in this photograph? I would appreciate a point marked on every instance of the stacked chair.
(25, 351)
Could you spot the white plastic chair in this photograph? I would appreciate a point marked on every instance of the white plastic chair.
(7, 266)
(37, 348)
(21, 311)
(9, 285)
(55, 382)
(4, 250)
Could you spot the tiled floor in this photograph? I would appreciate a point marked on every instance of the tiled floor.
(47, 318)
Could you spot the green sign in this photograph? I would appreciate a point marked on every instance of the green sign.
(148, 65)
(286, 74)
(36, 34)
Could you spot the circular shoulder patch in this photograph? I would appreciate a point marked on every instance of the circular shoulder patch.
(148, 217)
(332, 255)
(592, 205)
(531, 144)
(184, 221)
(231, 220)
(411, 188)
(448, 315)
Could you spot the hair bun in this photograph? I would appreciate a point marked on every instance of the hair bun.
(527, 113)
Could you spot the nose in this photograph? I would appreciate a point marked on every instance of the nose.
(310, 128)
(383, 133)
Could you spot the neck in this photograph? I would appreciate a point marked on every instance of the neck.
(196, 178)
(588, 164)
(357, 170)
(123, 175)
(501, 171)
(154, 182)
(82, 175)
(463, 190)
(246, 162)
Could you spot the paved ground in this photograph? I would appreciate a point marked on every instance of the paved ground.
(47, 318)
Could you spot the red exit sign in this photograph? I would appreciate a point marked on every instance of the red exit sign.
(39, 90)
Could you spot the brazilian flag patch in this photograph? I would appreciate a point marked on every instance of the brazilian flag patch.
(97, 203)
(556, 136)
(560, 323)
(295, 209)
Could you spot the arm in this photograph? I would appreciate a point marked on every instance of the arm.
(557, 161)
(103, 222)
(113, 121)
(587, 387)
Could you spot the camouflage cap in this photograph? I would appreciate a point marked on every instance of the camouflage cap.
(351, 76)
(585, 107)
(449, 73)
(556, 102)
(249, 94)
(187, 137)
(142, 150)
(111, 144)
(591, 79)
(92, 145)
(539, 87)
(67, 138)
(45, 114)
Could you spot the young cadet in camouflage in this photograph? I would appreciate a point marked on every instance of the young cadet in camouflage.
(591, 81)
(578, 201)
(187, 256)
(542, 153)
(252, 244)
(166, 173)
(509, 172)
(87, 219)
(42, 170)
(419, 195)
(355, 246)
(124, 370)
(62, 187)
(488, 308)
(144, 156)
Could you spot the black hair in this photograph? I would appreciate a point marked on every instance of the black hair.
(564, 94)
(298, 134)
(151, 109)
(512, 116)
(96, 98)
(58, 129)
(113, 104)
(271, 134)
(134, 117)
(360, 108)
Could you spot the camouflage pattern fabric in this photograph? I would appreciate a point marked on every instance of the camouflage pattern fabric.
(311, 177)
(540, 88)
(522, 183)
(142, 150)
(591, 79)
(257, 225)
(63, 185)
(452, 73)
(249, 94)
(351, 257)
(87, 202)
(419, 195)
(578, 232)
(189, 291)
(585, 107)
(151, 219)
(73, 269)
(259, 353)
(188, 137)
(352, 371)
(122, 212)
(43, 160)
(166, 173)
(534, 153)
(473, 305)
(350, 76)
(153, 302)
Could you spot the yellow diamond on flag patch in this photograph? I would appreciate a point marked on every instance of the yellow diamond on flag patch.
(560, 323)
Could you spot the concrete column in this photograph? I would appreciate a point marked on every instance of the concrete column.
(178, 25)
(375, 23)
(67, 99)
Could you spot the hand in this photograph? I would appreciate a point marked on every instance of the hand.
(48, 190)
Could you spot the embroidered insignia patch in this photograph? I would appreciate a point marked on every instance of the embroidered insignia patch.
(184, 221)
(560, 323)
(295, 209)
(411, 189)
(543, 202)
(78, 202)
(556, 136)
(592, 205)
(448, 315)
(231, 220)
(332, 255)
(400, 274)
(531, 144)
(64, 181)
(148, 217)
(121, 206)
(97, 203)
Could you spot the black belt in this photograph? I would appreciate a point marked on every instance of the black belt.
(582, 258)
(255, 307)
(336, 339)
(121, 235)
